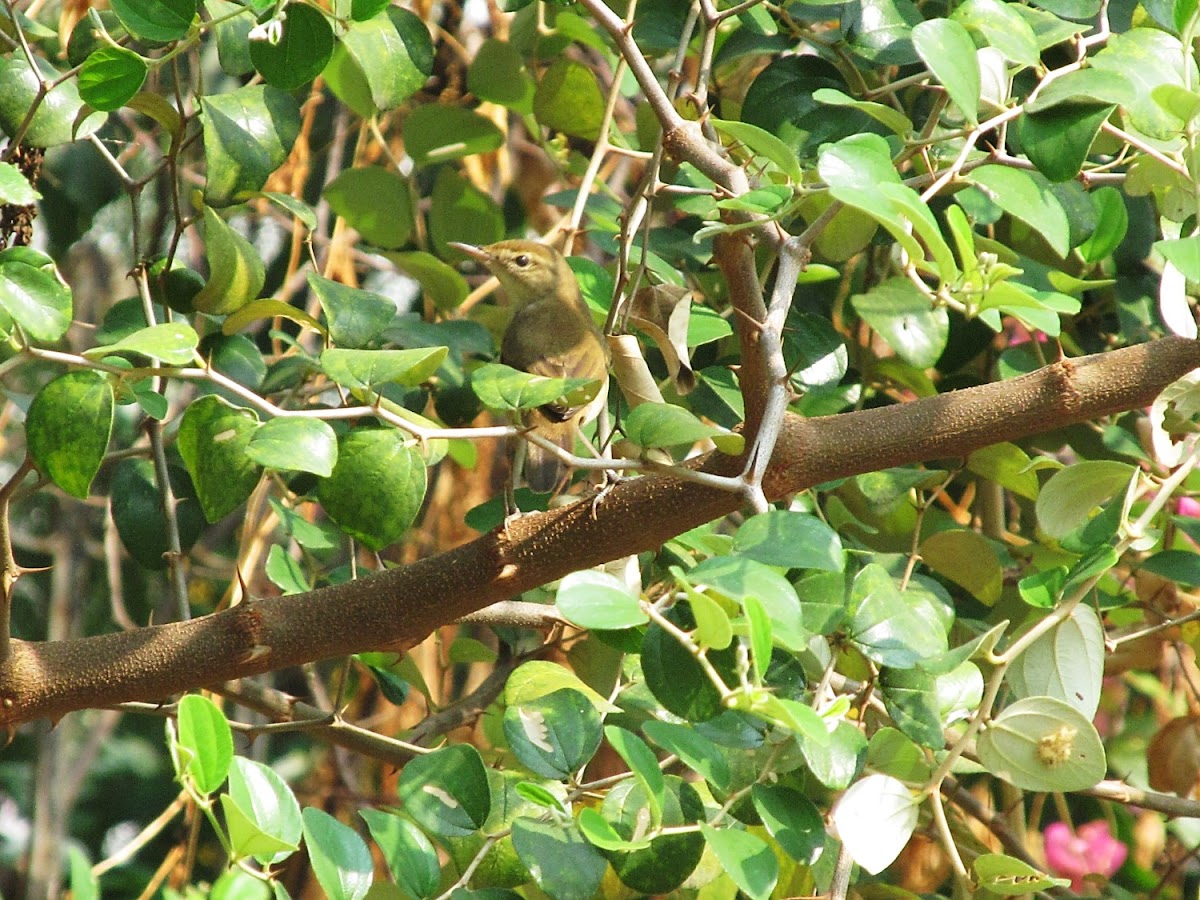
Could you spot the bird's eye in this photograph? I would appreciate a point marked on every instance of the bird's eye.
(521, 261)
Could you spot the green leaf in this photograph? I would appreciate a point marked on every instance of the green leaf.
(15, 187)
(652, 425)
(172, 343)
(1043, 744)
(537, 678)
(642, 762)
(1068, 499)
(339, 857)
(110, 76)
(435, 134)
(161, 21)
(267, 801)
(506, 389)
(212, 441)
(562, 863)
(1112, 224)
(881, 30)
(355, 316)
(860, 173)
(286, 573)
(1184, 253)
(410, 856)
(295, 444)
(735, 579)
(1057, 140)
(376, 488)
(248, 134)
(790, 539)
(459, 211)
(1147, 58)
(207, 741)
(1010, 877)
(381, 62)
(838, 759)
(911, 700)
(947, 50)
(763, 143)
(1066, 663)
(246, 839)
(137, 511)
(1007, 465)
(375, 202)
(36, 299)
(554, 735)
(600, 834)
(746, 859)
(875, 818)
(1002, 27)
(1043, 589)
(446, 792)
(568, 99)
(60, 117)
(792, 820)
(1021, 196)
(68, 427)
(442, 283)
(892, 753)
(498, 75)
(906, 319)
(1180, 566)
(236, 272)
(886, 626)
(84, 885)
(695, 750)
(968, 559)
(593, 599)
(892, 118)
(367, 369)
(670, 859)
(301, 51)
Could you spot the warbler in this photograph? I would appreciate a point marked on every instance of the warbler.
(551, 333)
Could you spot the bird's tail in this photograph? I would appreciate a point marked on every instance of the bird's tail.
(542, 471)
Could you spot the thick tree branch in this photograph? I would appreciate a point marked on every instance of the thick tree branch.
(397, 609)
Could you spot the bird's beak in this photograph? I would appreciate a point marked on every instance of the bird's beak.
(476, 253)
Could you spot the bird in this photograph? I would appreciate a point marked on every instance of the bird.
(551, 333)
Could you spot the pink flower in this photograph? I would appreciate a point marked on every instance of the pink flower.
(1188, 506)
(1091, 849)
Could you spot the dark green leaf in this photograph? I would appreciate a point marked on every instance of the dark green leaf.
(1057, 140)
(447, 791)
(339, 857)
(498, 75)
(137, 511)
(367, 369)
(442, 283)
(568, 99)
(236, 272)
(885, 626)
(554, 735)
(68, 427)
(670, 859)
(35, 299)
(294, 444)
(381, 62)
(459, 211)
(301, 51)
(160, 21)
(212, 441)
(376, 488)
(436, 134)
(56, 120)
(355, 316)
(374, 202)
(248, 134)
(562, 863)
(906, 319)
(411, 858)
(697, 752)
(791, 819)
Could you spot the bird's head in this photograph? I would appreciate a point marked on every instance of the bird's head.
(528, 271)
